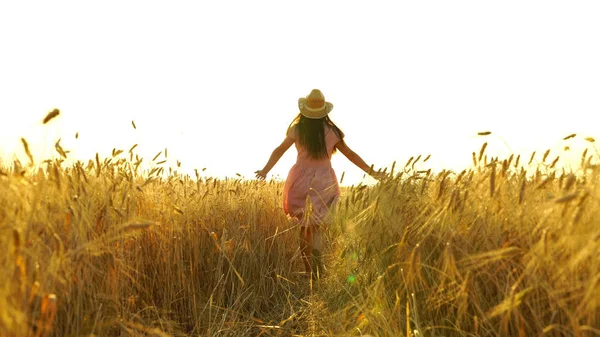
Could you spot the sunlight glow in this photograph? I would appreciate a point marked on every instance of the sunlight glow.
(217, 83)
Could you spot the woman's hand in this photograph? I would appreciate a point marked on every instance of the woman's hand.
(261, 175)
(379, 175)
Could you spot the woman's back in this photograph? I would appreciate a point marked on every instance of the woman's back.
(304, 158)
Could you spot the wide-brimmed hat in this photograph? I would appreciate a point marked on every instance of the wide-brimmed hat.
(314, 105)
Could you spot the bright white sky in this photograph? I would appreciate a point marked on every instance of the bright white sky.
(217, 82)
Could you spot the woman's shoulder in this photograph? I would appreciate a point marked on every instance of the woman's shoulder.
(334, 130)
(291, 131)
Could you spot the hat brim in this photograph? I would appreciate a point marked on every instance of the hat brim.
(314, 113)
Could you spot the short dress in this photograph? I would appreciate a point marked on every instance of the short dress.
(311, 179)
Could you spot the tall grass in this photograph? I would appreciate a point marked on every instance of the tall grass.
(103, 248)
(490, 251)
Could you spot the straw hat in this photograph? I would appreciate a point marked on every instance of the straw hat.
(314, 105)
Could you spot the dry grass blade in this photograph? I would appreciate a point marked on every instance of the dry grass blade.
(460, 176)
(147, 181)
(415, 161)
(543, 183)
(158, 154)
(133, 124)
(137, 226)
(493, 180)
(83, 174)
(570, 136)
(408, 332)
(571, 179)
(509, 304)
(17, 168)
(154, 170)
(590, 139)
(482, 150)
(60, 150)
(442, 187)
(510, 159)
(16, 239)
(56, 174)
(484, 133)
(177, 210)
(98, 165)
(567, 198)
(476, 261)
(26, 148)
(545, 155)
(583, 157)
(531, 159)
(48, 313)
(137, 329)
(522, 190)
(116, 152)
(52, 114)
(35, 287)
(215, 239)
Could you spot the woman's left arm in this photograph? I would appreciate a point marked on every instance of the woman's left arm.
(275, 156)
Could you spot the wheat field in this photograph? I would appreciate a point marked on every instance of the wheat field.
(106, 248)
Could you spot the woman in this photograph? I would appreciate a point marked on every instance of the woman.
(311, 187)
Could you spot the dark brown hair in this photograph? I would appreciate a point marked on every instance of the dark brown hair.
(311, 134)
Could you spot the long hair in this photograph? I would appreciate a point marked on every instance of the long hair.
(311, 134)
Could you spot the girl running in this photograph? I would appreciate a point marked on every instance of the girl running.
(311, 188)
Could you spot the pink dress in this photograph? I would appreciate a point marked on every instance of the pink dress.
(312, 179)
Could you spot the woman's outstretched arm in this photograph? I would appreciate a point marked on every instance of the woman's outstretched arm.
(357, 160)
(275, 156)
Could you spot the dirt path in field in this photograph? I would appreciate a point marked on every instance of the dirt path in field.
(309, 311)
(306, 305)
(305, 311)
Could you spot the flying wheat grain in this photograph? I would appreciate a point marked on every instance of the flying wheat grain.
(51, 115)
